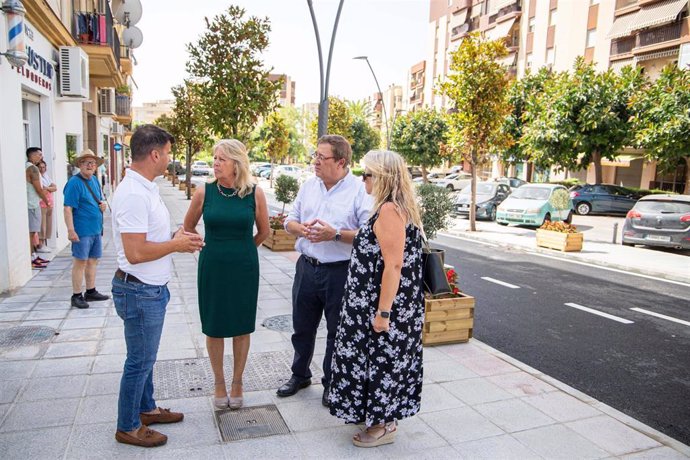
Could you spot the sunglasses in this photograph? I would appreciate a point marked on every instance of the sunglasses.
(365, 175)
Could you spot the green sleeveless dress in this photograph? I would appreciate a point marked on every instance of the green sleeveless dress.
(228, 276)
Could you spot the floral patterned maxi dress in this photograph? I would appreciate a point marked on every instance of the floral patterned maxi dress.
(377, 378)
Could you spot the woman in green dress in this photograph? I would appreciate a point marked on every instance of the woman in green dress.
(228, 278)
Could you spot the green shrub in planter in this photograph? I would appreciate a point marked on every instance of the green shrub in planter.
(436, 205)
(286, 189)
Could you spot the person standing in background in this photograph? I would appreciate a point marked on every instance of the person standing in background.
(34, 196)
(46, 209)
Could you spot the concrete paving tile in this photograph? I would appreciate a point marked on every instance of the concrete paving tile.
(333, 443)
(264, 347)
(659, 453)
(66, 349)
(78, 335)
(521, 384)
(438, 453)
(279, 446)
(197, 429)
(461, 350)
(513, 415)
(4, 409)
(311, 393)
(63, 366)
(271, 304)
(112, 347)
(612, 436)
(561, 406)
(83, 323)
(31, 415)
(10, 390)
(51, 323)
(413, 436)
(494, 448)
(182, 353)
(97, 409)
(460, 425)
(488, 365)
(187, 405)
(476, 391)
(176, 343)
(71, 386)
(53, 305)
(16, 307)
(27, 298)
(113, 321)
(103, 384)
(22, 444)
(98, 439)
(95, 310)
(559, 442)
(447, 370)
(214, 452)
(432, 354)
(23, 353)
(37, 315)
(11, 316)
(10, 370)
(436, 398)
(318, 416)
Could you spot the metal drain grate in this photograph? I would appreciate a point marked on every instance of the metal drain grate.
(189, 378)
(15, 337)
(250, 422)
(283, 323)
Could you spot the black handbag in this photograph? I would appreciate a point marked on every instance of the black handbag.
(433, 275)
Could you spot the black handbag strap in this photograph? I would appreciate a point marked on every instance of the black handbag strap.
(86, 182)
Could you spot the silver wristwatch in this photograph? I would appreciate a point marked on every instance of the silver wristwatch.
(337, 235)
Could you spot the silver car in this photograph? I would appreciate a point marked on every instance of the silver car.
(659, 220)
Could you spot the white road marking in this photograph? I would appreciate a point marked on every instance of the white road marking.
(600, 313)
(502, 283)
(659, 315)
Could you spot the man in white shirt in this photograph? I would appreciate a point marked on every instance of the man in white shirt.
(142, 237)
(325, 217)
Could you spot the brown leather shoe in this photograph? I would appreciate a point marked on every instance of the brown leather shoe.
(145, 437)
(165, 416)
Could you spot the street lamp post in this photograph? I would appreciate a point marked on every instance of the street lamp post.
(383, 103)
(323, 102)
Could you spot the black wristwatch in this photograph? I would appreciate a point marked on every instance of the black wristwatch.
(385, 314)
(337, 235)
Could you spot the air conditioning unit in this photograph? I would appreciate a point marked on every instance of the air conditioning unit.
(74, 72)
(118, 129)
(106, 101)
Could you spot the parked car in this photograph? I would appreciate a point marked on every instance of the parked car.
(533, 204)
(431, 177)
(659, 220)
(602, 199)
(457, 181)
(512, 182)
(489, 195)
(287, 170)
(178, 168)
(201, 168)
(415, 171)
(455, 169)
(265, 173)
(256, 168)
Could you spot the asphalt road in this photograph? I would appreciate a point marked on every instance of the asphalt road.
(634, 362)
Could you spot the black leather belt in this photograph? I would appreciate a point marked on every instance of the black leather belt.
(126, 277)
(316, 263)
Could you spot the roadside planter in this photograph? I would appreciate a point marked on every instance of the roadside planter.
(561, 236)
(279, 239)
(450, 318)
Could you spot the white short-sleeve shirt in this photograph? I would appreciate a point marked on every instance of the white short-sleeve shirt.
(138, 208)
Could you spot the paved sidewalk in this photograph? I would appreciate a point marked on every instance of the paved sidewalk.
(59, 394)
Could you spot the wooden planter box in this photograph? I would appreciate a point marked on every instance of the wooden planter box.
(449, 320)
(566, 242)
(280, 240)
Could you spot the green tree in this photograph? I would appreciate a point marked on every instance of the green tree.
(435, 207)
(189, 126)
(661, 119)
(286, 190)
(339, 120)
(360, 109)
(364, 138)
(418, 137)
(581, 117)
(276, 138)
(294, 121)
(520, 93)
(168, 123)
(477, 88)
(235, 90)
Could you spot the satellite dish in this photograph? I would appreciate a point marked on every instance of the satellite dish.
(132, 37)
(127, 12)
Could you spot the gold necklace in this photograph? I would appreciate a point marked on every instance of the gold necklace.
(234, 193)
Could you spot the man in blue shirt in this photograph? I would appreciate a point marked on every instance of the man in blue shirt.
(84, 207)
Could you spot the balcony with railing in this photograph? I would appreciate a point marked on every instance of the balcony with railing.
(622, 46)
(621, 4)
(465, 28)
(659, 35)
(123, 108)
(513, 10)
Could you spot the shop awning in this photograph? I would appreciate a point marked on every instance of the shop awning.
(621, 161)
(658, 14)
(621, 26)
(617, 66)
(501, 30)
(673, 52)
(502, 4)
(458, 18)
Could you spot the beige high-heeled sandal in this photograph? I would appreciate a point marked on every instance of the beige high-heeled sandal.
(366, 438)
(222, 402)
(235, 403)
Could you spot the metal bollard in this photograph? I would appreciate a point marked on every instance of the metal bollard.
(615, 232)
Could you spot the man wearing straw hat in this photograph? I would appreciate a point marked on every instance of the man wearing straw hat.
(84, 207)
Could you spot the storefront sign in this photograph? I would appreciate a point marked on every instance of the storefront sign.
(37, 69)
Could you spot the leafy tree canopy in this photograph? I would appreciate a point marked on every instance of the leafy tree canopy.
(364, 138)
(418, 136)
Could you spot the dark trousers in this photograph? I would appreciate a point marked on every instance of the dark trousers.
(316, 290)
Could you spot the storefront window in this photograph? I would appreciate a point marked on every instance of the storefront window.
(71, 143)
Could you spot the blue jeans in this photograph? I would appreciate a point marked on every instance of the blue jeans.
(142, 308)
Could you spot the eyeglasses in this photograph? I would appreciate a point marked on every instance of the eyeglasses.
(319, 157)
(88, 163)
(365, 175)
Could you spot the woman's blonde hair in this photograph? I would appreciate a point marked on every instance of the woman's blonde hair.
(234, 150)
(391, 182)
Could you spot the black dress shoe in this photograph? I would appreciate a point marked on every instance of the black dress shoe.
(324, 398)
(95, 296)
(79, 302)
(292, 386)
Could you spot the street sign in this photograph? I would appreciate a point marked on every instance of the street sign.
(117, 147)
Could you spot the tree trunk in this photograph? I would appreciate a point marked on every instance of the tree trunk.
(424, 174)
(473, 198)
(188, 180)
(687, 176)
(270, 176)
(529, 171)
(174, 171)
(596, 160)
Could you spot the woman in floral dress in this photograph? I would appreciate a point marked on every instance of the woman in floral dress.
(377, 362)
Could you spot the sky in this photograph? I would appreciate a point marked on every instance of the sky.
(392, 33)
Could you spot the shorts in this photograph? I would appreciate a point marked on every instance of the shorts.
(88, 247)
(34, 220)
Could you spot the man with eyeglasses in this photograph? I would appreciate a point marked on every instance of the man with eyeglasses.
(84, 208)
(328, 211)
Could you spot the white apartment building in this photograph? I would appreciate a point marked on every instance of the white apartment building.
(148, 112)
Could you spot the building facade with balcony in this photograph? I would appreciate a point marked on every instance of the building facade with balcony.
(148, 112)
(286, 97)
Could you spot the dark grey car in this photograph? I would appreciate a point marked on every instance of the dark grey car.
(659, 220)
(489, 196)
